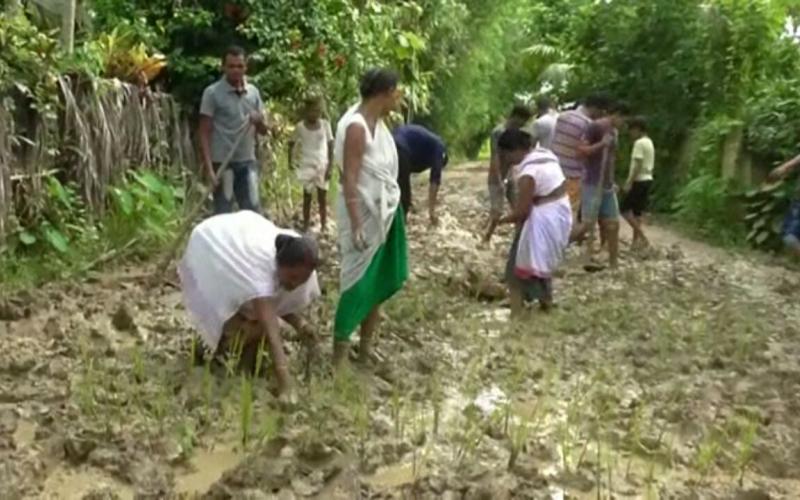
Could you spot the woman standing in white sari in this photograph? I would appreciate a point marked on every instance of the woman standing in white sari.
(372, 236)
(545, 216)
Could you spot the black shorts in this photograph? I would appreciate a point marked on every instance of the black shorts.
(637, 199)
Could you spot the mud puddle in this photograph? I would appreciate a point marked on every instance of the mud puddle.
(25, 434)
(68, 484)
(205, 468)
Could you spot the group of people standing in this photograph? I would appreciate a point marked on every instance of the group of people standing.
(558, 173)
(241, 274)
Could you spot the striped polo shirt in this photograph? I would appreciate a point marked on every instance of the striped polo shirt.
(569, 133)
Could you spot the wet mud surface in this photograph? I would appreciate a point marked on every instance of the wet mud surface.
(676, 376)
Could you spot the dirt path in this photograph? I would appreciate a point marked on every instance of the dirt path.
(673, 377)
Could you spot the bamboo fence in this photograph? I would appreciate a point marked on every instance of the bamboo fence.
(102, 129)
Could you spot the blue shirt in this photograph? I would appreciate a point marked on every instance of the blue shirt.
(423, 149)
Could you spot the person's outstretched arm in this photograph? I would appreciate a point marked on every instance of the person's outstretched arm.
(526, 187)
(785, 170)
(267, 319)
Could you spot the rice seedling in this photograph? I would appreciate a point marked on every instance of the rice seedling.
(245, 409)
(707, 453)
(436, 397)
(634, 435)
(260, 358)
(207, 388)
(396, 410)
(361, 421)
(187, 437)
(192, 354)
(748, 432)
(271, 425)
(468, 437)
(520, 431)
(234, 356)
(138, 364)
(160, 407)
(85, 390)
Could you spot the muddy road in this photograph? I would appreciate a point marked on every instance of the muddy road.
(676, 376)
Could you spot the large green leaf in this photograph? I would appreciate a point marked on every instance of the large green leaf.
(150, 181)
(762, 237)
(56, 239)
(27, 238)
(124, 200)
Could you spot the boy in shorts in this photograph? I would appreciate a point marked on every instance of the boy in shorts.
(311, 147)
(640, 180)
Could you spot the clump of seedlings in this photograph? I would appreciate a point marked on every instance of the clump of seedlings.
(436, 397)
(707, 453)
(743, 431)
(271, 425)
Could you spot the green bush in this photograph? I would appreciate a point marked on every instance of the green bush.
(708, 206)
(766, 211)
(773, 131)
(144, 210)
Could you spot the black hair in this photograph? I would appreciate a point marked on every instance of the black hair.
(296, 251)
(638, 123)
(377, 81)
(235, 51)
(514, 140)
(599, 100)
(522, 112)
(543, 104)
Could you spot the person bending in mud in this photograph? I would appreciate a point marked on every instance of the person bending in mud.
(419, 149)
(501, 188)
(543, 216)
(240, 274)
(791, 224)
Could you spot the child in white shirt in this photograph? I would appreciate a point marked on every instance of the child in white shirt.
(311, 152)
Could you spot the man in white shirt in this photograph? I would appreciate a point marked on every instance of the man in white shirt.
(545, 123)
(640, 179)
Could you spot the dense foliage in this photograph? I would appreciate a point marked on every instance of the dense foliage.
(702, 72)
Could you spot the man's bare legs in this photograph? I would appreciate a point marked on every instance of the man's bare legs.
(636, 223)
(611, 230)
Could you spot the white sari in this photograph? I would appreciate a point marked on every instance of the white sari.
(378, 195)
(230, 260)
(545, 235)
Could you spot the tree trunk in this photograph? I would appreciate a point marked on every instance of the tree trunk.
(68, 25)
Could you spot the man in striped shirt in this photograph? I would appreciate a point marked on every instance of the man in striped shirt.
(570, 146)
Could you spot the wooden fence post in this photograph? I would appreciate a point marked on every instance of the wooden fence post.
(68, 25)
